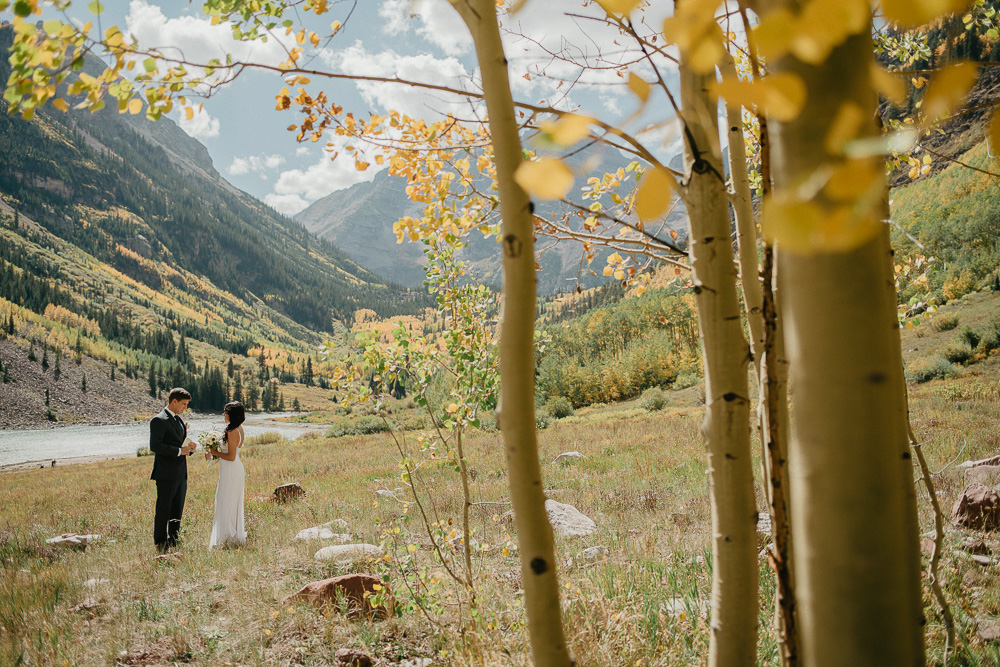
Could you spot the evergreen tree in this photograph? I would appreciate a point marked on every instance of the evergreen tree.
(152, 379)
(79, 349)
(31, 352)
(307, 376)
(46, 397)
(229, 368)
(238, 388)
(296, 406)
(83, 384)
(281, 402)
(58, 369)
(11, 330)
(112, 373)
(45, 358)
(182, 355)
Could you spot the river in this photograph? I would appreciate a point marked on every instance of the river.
(79, 441)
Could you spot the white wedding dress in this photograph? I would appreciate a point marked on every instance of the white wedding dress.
(228, 525)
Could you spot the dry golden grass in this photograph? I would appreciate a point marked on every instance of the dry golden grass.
(643, 482)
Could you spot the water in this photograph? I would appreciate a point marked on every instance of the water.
(73, 441)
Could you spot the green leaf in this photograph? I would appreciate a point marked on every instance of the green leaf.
(22, 8)
(95, 7)
(149, 64)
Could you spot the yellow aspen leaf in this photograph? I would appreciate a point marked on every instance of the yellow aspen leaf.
(994, 134)
(779, 96)
(803, 227)
(911, 13)
(615, 258)
(639, 86)
(335, 27)
(135, 106)
(623, 7)
(891, 86)
(60, 104)
(569, 129)
(189, 114)
(654, 194)
(855, 178)
(608, 270)
(452, 408)
(948, 88)
(361, 166)
(619, 274)
(547, 178)
(846, 125)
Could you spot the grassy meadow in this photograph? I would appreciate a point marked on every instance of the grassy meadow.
(643, 482)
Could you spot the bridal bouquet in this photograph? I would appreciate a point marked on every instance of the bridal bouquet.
(212, 440)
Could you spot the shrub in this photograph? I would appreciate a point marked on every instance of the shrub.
(144, 451)
(685, 380)
(653, 399)
(559, 407)
(958, 285)
(268, 438)
(542, 420)
(935, 368)
(968, 336)
(944, 322)
(365, 425)
(957, 354)
(991, 338)
(309, 435)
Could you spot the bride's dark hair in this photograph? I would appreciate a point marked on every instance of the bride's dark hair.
(237, 415)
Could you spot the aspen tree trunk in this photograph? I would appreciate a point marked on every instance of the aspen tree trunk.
(517, 355)
(857, 577)
(746, 226)
(726, 354)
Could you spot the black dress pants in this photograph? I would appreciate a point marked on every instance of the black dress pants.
(170, 495)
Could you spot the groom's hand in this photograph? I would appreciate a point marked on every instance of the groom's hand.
(187, 449)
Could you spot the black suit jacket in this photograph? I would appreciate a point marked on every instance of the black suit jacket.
(166, 436)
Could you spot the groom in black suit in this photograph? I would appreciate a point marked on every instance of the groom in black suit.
(166, 440)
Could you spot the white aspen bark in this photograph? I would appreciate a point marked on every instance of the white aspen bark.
(746, 225)
(517, 356)
(726, 354)
(857, 577)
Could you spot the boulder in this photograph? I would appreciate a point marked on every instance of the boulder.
(322, 533)
(287, 492)
(345, 554)
(349, 592)
(978, 508)
(569, 457)
(350, 657)
(987, 475)
(72, 540)
(567, 521)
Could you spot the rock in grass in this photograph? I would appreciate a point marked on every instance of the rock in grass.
(593, 555)
(567, 521)
(345, 554)
(569, 457)
(987, 475)
(349, 593)
(287, 492)
(72, 540)
(350, 657)
(988, 629)
(322, 533)
(978, 508)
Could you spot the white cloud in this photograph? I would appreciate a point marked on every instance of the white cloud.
(255, 163)
(297, 188)
(201, 125)
(287, 204)
(302, 150)
(434, 20)
(195, 38)
(424, 68)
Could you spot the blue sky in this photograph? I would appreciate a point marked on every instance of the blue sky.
(415, 39)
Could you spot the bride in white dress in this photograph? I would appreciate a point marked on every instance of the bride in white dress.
(227, 529)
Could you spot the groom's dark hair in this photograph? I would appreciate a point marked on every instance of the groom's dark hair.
(178, 394)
